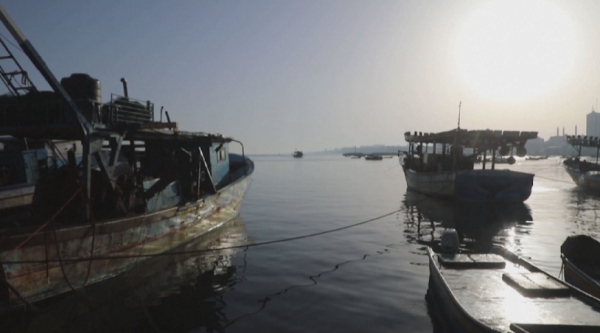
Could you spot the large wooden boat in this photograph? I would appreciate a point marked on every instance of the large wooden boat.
(580, 256)
(140, 187)
(584, 173)
(447, 170)
(501, 292)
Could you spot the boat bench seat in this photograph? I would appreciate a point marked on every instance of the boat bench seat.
(470, 261)
(536, 285)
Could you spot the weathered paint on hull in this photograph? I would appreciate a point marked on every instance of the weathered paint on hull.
(435, 183)
(579, 279)
(125, 239)
(472, 185)
(588, 180)
(14, 196)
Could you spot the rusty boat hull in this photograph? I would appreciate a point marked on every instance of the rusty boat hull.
(59, 260)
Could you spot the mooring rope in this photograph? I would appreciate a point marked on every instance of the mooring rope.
(3, 260)
(283, 240)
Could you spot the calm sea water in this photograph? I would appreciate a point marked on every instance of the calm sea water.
(369, 277)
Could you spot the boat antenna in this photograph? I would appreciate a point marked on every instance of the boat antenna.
(459, 103)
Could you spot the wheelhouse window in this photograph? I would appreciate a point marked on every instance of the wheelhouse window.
(221, 155)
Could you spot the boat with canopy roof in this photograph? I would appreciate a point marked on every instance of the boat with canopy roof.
(442, 164)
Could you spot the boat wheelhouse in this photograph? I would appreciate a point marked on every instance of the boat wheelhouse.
(442, 164)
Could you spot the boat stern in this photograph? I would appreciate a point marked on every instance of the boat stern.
(493, 185)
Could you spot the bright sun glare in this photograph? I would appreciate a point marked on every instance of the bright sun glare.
(515, 50)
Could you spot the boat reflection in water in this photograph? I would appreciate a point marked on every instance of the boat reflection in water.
(477, 222)
(176, 292)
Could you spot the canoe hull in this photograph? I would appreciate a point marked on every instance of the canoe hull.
(581, 264)
(477, 293)
(452, 311)
(580, 279)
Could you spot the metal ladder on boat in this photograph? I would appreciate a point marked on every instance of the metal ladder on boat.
(15, 79)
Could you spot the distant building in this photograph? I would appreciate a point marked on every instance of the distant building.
(557, 145)
(593, 124)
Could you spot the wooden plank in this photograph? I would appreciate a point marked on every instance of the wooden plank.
(536, 285)
(483, 260)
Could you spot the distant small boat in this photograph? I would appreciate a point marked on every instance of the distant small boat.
(580, 255)
(498, 291)
(298, 154)
(373, 157)
(536, 158)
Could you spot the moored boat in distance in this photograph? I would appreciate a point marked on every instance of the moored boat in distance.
(501, 292)
(580, 256)
(138, 187)
(449, 171)
(585, 174)
(536, 158)
(373, 157)
(298, 154)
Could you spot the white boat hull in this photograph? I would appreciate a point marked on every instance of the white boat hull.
(589, 180)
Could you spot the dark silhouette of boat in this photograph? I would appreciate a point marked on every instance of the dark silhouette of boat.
(373, 157)
(449, 171)
(138, 187)
(298, 154)
(580, 256)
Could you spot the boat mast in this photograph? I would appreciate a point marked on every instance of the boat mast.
(454, 145)
(459, 104)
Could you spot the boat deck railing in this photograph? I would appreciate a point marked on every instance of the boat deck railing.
(128, 110)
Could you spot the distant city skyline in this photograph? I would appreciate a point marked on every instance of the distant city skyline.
(592, 123)
(314, 75)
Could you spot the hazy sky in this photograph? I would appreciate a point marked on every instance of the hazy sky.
(315, 75)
